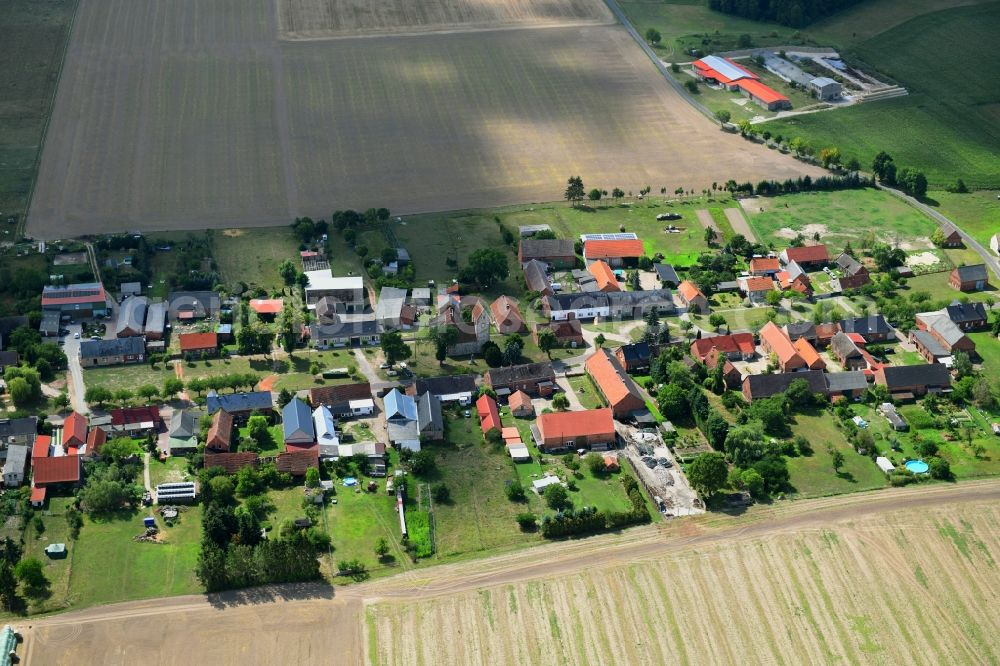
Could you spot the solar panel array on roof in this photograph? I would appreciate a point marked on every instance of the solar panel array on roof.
(724, 67)
(615, 236)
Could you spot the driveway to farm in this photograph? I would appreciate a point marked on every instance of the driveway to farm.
(77, 389)
(307, 624)
(369, 372)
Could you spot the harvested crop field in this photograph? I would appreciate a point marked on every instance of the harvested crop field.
(307, 19)
(194, 114)
(907, 587)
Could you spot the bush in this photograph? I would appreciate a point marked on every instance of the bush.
(441, 493)
(514, 491)
(527, 521)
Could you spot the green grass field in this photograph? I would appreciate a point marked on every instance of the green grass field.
(949, 125)
(585, 392)
(106, 565)
(253, 255)
(813, 475)
(854, 216)
(936, 284)
(35, 33)
(977, 213)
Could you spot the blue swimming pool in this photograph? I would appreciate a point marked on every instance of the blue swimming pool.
(916, 466)
(350, 481)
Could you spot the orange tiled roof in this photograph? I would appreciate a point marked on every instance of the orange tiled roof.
(618, 249)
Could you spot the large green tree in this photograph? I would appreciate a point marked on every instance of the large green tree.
(707, 473)
(486, 266)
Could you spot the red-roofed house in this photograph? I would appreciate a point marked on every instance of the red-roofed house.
(799, 283)
(267, 308)
(603, 276)
(220, 433)
(40, 449)
(507, 316)
(231, 462)
(774, 341)
(809, 354)
(489, 414)
(807, 255)
(75, 430)
(54, 471)
(756, 288)
(96, 438)
(199, 344)
(690, 295)
(763, 266)
(136, 420)
(734, 346)
(618, 389)
(587, 429)
(297, 462)
(615, 252)
(730, 374)
(520, 404)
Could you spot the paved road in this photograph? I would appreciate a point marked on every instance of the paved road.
(77, 389)
(970, 242)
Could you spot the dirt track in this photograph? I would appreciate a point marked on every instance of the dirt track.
(314, 624)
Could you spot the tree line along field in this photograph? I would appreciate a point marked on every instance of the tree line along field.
(35, 33)
(306, 19)
(188, 115)
(911, 587)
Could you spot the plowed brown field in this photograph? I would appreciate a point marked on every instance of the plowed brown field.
(195, 114)
(904, 576)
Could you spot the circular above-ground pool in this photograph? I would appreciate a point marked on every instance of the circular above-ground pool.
(916, 466)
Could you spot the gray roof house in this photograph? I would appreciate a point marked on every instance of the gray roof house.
(666, 274)
(297, 423)
(967, 315)
(240, 403)
(390, 305)
(536, 278)
(131, 317)
(112, 352)
(430, 423)
(801, 329)
(636, 304)
(18, 431)
(156, 320)
(193, 304)
(16, 465)
(871, 328)
(183, 431)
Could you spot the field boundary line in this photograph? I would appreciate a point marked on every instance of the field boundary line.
(623, 19)
(22, 225)
(451, 30)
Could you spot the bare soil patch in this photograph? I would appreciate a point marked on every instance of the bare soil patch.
(808, 231)
(739, 224)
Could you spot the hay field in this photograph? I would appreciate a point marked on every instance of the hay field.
(913, 587)
(310, 19)
(194, 114)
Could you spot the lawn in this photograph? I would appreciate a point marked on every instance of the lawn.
(479, 516)
(35, 36)
(585, 391)
(947, 126)
(855, 216)
(813, 475)
(106, 565)
(936, 284)
(691, 24)
(744, 319)
(172, 470)
(977, 213)
(252, 256)
(640, 218)
(988, 347)
(129, 377)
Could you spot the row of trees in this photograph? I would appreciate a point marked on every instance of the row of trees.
(911, 181)
(794, 13)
